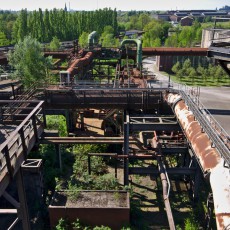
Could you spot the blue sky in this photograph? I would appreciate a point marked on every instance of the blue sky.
(119, 4)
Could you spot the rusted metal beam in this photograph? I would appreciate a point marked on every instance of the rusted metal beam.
(173, 150)
(102, 98)
(103, 154)
(167, 51)
(172, 126)
(92, 141)
(85, 140)
(155, 171)
(165, 184)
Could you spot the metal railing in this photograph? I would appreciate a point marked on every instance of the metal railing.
(17, 145)
(216, 133)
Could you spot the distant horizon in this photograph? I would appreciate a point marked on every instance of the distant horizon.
(127, 5)
(70, 10)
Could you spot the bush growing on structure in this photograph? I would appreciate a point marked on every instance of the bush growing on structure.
(55, 43)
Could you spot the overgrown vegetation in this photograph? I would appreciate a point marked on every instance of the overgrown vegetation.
(66, 225)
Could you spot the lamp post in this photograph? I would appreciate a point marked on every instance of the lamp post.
(169, 85)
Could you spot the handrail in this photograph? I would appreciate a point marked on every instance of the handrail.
(17, 130)
(217, 140)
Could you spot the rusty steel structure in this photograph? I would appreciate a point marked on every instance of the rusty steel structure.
(209, 158)
(168, 51)
(78, 66)
(14, 150)
(169, 121)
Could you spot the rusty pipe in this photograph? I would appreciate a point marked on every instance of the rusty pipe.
(165, 185)
(208, 157)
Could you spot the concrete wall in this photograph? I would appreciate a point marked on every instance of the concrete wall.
(219, 36)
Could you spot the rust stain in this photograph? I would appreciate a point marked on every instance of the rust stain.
(220, 220)
(208, 156)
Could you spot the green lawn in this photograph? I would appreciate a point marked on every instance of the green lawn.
(199, 81)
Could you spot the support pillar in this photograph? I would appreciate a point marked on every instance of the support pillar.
(89, 165)
(13, 91)
(197, 180)
(23, 211)
(58, 156)
(208, 215)
(126, 147)
(82, 121)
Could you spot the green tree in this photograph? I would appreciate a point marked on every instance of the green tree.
(192, 74)
(29, 62)
(180, 74)
(156, 42)
(83, 40)
(107, 38)
(186, 66)
(47, 24)
(200, 70)
(143, 20)
(20, 28)
(153, 30)
(3, 40)
(176, 67)
(172, 41)
(55, 43)
(212, 71)
(109, 41)
(219, 73)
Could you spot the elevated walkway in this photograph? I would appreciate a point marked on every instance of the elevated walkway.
(18, 143)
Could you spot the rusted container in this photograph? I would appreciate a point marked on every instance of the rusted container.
(93, 208)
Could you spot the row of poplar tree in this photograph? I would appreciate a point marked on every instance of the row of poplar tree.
(65, 25)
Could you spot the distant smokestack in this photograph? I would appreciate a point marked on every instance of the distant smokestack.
(69, 6)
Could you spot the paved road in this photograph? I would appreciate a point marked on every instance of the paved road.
(215, 99)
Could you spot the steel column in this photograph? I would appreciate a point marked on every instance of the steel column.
(126, 147)
(23, 211)
(197, 181)
(35, 128)
(8, 161)
(24, 147)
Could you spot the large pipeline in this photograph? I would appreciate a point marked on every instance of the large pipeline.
(139, 49)
(78, 64)
(92, 38)
(208, 158)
